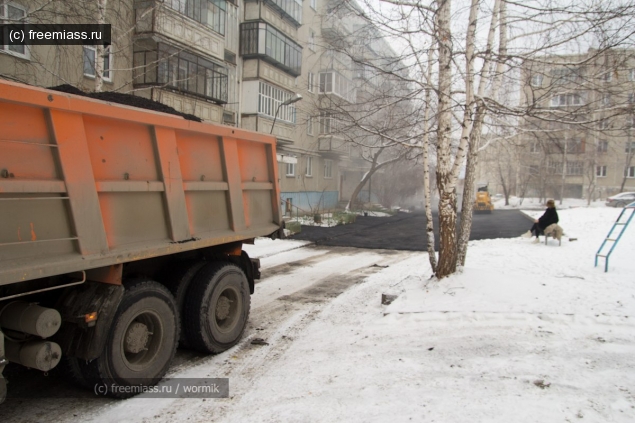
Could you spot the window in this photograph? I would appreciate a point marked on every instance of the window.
(603, 124)
(561, 100)
(309, 166)
(291, 8)
(575, 146)
(182, 71)
(600, 171)
(12, 14)
(290, 169)
(328, 168)
(333, 83)
(631, 74)
(630, 122)
(211, 13)
(310, 81)
(629, 172)
(314, 4)
(632, 147)
(606, 99)
(602, 146)
(574, 168)
(259, 39)
(534, 147)
(327, 124)
(631, 98)
(89, 62)
(270, 101)
(536, 80)
(309, 126)
(311, 43)
(563, 76)
(607, 77)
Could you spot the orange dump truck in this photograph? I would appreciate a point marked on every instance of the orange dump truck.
(121, 234)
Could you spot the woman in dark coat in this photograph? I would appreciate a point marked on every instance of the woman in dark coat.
(548, 218)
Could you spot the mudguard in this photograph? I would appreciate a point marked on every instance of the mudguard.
(81, 339)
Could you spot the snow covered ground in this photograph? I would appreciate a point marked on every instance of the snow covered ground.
(265, 247)
(535, 204)
(527, 333)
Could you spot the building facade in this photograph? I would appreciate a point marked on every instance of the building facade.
(52, 65)
(235, 62)
(579, 138)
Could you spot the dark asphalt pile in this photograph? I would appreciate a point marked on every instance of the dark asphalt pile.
(406, 231)
(126, 99)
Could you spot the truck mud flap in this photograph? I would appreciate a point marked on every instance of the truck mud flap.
(250, 266)
(87, 313)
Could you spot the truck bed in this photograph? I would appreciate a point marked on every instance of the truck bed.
(87, 184)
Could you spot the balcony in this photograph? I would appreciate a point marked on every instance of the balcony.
(211, 13)
(290, 9)
(332, 82)
(197, 25)
(333, 28)
(282, 130)
(331, 146)
(161, 65)
(261, 40)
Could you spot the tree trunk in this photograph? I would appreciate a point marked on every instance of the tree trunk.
(447, 230)
(468, 128)
(629, 159)
(353, 202)
(432, 257)
(477, 125)
(564, 171)
(467, 206)
(445, 183)
(100, 49)
(374, 167)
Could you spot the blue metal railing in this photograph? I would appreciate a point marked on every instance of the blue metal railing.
(619, 223)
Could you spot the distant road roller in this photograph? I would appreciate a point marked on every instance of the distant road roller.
(483, 202)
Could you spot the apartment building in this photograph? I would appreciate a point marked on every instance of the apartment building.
(244, 63)
(579, 139)
(52, 65)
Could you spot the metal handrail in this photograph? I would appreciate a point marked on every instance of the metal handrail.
(615, 240)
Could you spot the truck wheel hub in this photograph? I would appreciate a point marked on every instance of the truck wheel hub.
(136, 338)
(222, 308)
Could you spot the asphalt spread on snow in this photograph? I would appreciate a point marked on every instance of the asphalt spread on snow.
(406, 231)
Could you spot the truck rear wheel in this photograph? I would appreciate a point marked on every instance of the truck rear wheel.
(142, 341)
(217, 308)
(178, 280)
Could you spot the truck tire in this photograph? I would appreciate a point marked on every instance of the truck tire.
(73, 369)
(178, 280)
(217, 308)
(141, 344)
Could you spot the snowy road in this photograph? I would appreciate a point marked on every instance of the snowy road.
(295, 287)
